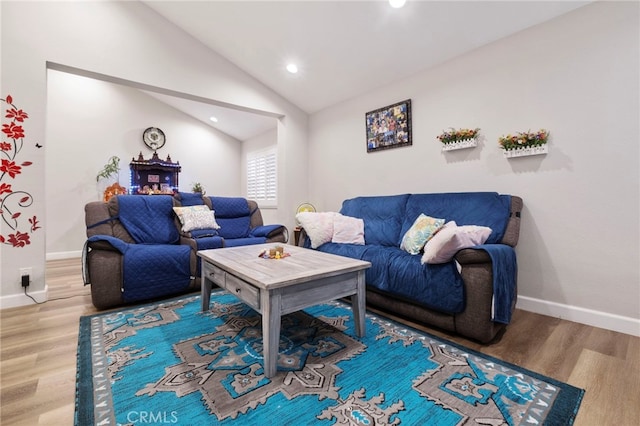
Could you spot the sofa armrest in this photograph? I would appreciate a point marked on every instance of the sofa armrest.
(512, 232)
(302, 238)
(97, 219)
(471, 256)
(103, 269)
(266, 230)
(102, 245)
(199, 233)
(273, 233)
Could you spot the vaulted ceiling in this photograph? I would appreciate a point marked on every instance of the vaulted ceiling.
(344, 49)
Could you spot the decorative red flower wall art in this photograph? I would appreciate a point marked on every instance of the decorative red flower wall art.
(14, 202)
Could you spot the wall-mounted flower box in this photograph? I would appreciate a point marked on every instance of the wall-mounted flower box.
(453, 139)
(523, 152)
(466, 143)
(524, 143)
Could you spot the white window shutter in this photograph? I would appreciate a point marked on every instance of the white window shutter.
(262, 173)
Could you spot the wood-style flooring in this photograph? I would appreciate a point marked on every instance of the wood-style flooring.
(38, 346)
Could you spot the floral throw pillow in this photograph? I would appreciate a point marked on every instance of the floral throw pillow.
(423, 228)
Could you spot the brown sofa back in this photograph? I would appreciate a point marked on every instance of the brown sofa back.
(101, 219)
(512, 233)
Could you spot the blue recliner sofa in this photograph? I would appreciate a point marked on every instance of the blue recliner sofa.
(473, 294)
(137, 249)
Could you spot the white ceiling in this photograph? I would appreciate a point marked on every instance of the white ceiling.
(347, 48)
(238, 124)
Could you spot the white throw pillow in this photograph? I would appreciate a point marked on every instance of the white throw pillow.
(318, 226)
(450, 239)
(198, 219)
(347, 230)
(180, 211)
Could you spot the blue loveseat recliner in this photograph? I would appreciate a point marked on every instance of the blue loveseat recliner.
(136, 248)
(473, 295)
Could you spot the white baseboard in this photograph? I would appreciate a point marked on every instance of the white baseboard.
(590, 317)
(64, 255)
(15, 300)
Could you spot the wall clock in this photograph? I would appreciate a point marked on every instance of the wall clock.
(153, 138)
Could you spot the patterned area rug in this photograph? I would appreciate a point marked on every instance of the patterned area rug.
(170, 363)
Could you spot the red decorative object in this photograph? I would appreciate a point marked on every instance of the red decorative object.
(13, 202)
(112, 190)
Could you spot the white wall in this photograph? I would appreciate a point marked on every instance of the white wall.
(125, 40)
(576, 76)
(88, 121)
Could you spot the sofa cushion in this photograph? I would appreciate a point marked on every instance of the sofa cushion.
(423, 228)
(155, 270)
(488, 209)
(377, 274)
(148, 218)
(452, 238)
(151, 270)
(436, 286)
(233, 216)
(383, 217)
(189, 198)
(439, 287)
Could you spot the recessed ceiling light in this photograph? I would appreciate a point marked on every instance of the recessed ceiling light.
(292, 68)
(214, 119)
(397, 3)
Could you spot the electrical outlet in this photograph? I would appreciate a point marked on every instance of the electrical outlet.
(25, 276)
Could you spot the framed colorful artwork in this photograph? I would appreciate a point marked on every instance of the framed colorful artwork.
(389, 127)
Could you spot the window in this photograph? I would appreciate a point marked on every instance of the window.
(262, 172)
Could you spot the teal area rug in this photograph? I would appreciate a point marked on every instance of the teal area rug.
(171, 363)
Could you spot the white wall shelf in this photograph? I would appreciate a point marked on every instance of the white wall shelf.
(463, 144)
(525, 152)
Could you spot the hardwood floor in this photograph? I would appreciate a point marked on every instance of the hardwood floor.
(38, 346)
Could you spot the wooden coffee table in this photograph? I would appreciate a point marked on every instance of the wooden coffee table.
(275, 287)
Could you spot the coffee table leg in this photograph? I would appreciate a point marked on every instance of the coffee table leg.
(205, 293)
(358, 304)
(271, 308)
